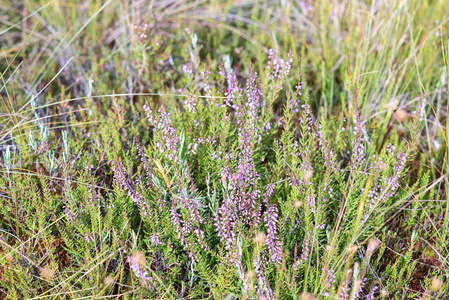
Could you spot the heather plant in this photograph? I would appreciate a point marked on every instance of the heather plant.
(185, 164)
(240, 200)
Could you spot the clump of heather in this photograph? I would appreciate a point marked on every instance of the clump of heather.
(228, 184)
(225, 193)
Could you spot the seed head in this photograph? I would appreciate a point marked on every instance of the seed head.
(435, 284)
(139, 258)
(307, 296)
(353, 249)
(143, 283)
(373, 244)
(260, 238)
(308, 175)
(229, 297)
(358, 284)
(8, 258)
(47, 273)
(251, 274)
(298, 204)
(392, 105)
(401, 115)
(109, 280)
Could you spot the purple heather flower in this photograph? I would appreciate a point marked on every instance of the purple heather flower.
(358, 156)
(149, 112)
(272, 241)
(329, 275)
(187, 70)
(305, 250)
(370, 296)
(360, 288)
(233, 90)
(89, 238)
(319, 137)
(190, 103)
(421, 109)
(269, 190)
(207, 86)
(372, 196)
(390, 148)
(155, 239)
(298, 89)
(267, 127)
(329, 159)
(279, 68)
(392, 183)
(177, 223)
(294, 104)
(307, 117)
(305, 8)
(147, 164)
(164, 128)
(344, 294)
(120, 178)
(243, 181)
(263, 290)
(311, 202)
(136, 263)
(225, 221)
(241, 272)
